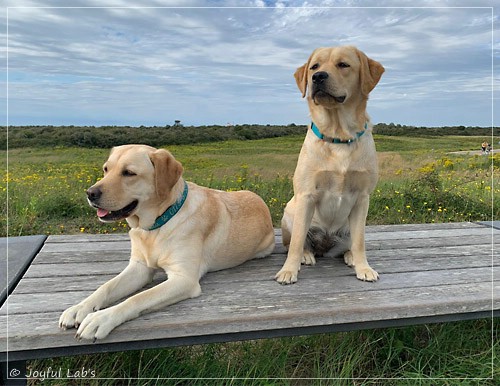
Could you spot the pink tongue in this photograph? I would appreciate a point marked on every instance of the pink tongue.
(102, 212)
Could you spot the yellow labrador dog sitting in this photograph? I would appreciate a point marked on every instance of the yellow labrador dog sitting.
(337, 166)
(182, 228)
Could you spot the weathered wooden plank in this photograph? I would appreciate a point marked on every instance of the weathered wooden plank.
(313, 283)
(62, 277)
(491, 224)
(81, 256)
(426, 249)
(417, 227)
(426, 270)
(90, 246)
(84, 237)
(49, 285)
(212, 314)
(465, 252)
(334, 268)
(87, 237)
(430, 242)
(96, 241)
(472, 253)
(16, 253)
(88, 278)
(210, 306)
(75, 269)
(428, 234)
(122, 249)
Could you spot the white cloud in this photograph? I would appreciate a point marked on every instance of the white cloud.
(235, 64)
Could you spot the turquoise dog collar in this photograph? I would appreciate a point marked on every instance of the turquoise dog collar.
(325, 138)
(171, 210)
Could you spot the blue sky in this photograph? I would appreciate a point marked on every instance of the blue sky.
(136, 63)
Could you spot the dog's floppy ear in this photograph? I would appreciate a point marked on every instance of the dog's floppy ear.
(370, 73)
(167, 172)
(301, 78)
(301, 75)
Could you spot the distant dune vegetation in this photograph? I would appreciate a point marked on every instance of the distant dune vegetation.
(108, 136)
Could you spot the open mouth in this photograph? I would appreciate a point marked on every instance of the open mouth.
(115, 215)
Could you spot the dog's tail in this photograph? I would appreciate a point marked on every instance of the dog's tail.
(323, 243)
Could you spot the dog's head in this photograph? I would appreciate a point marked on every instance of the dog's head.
(136, 178)
(336, 75)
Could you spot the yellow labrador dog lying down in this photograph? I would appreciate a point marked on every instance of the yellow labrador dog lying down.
(179, 227)
(337, 166)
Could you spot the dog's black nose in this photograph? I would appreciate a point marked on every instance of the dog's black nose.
(319, 77)
(94, 193)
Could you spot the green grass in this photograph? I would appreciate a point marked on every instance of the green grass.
(439, 354)
(419, 182)
(47, 187)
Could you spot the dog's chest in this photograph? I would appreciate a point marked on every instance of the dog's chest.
(342, 170)
(146, 248)
(337, 193)
(343, 182)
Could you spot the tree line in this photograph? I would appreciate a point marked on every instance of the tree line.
(157, 136)
(109, 136)
(420, 131)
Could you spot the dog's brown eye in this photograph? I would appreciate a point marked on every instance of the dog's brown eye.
(343, 65)
(105, 169)
(314, 67)
(128, 173)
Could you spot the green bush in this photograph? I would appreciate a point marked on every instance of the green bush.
(109, 136)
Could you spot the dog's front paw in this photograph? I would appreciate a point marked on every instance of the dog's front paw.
(97, 325)
(74, 315)
(286, 276)
(366, 273)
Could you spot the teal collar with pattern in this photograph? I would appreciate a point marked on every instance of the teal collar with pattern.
(171, 210)
(325, 138)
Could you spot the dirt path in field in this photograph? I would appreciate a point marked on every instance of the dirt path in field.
(474, 152)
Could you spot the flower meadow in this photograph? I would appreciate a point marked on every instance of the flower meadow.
(45, 191)
(420, 182)
(445, 190)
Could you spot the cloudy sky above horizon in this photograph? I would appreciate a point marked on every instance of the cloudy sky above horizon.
(137, 63)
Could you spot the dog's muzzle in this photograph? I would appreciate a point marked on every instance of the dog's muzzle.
(93, 196)
(320, 87)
